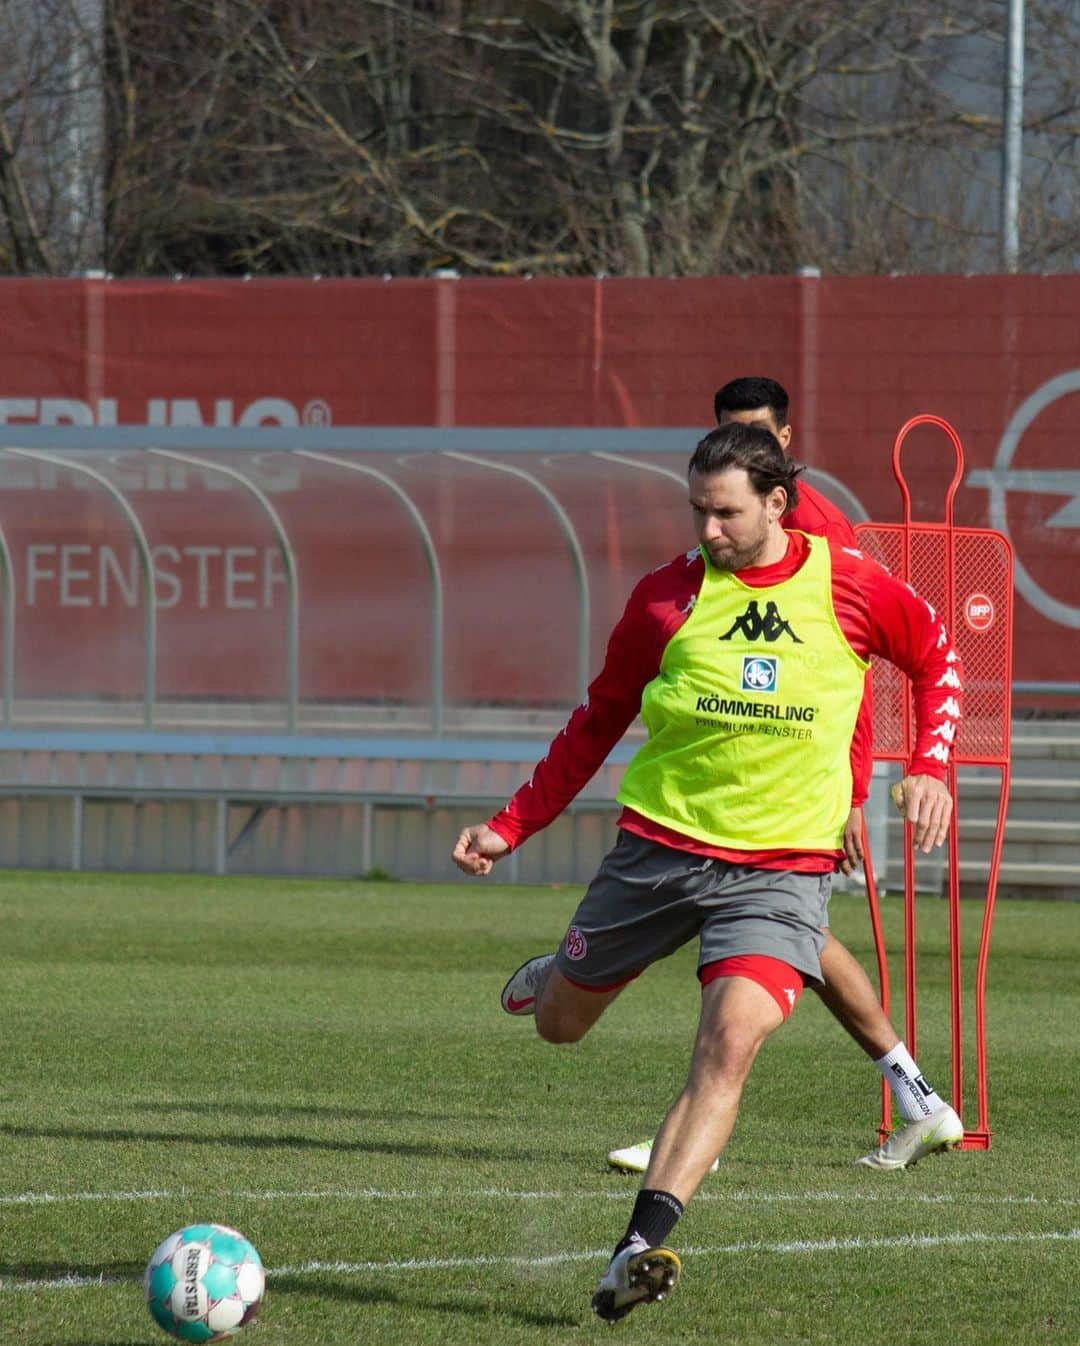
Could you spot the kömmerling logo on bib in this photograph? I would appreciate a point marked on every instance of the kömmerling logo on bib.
(759, 672)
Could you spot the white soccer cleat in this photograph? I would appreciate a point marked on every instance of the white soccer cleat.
(942, 1130)
(637, 1275)
(519, 993)
(635, 1158)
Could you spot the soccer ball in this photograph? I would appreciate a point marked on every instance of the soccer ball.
(204, 1283)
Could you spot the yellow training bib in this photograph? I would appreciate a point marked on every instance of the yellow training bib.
(751, 716)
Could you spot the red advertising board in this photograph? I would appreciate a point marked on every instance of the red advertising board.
(520, 540)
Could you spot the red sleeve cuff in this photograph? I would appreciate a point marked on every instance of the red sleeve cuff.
(505, 829)
(927, 766)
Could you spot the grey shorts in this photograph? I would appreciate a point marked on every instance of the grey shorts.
(648, 900)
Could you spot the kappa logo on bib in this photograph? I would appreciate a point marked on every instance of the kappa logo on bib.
(754, 624)
(759, 673)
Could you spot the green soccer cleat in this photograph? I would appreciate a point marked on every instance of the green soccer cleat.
(942, 1130)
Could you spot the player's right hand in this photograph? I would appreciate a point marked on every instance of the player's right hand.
(478, 848)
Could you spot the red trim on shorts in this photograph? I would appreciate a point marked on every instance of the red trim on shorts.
(783, 982)
(599, 990)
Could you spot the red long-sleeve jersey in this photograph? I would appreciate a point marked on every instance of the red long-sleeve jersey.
(816, 513)
(878, 615)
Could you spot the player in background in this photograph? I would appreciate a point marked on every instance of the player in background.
(928, 1122)
(747, 658)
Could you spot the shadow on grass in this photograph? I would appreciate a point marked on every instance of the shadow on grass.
(119, 1273)
(304, 1110)
(375, 1294)
(115, 1272)
(129, 1273)
(124, 1135)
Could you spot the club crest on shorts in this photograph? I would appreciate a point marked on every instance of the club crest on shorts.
(759, 672)
(575, 945)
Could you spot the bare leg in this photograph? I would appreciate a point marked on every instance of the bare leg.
(737, 1015)
(849, 994)
(565, 1012)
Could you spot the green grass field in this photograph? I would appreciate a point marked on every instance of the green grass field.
(325, 1066)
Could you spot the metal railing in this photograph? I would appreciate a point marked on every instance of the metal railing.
(69, 448)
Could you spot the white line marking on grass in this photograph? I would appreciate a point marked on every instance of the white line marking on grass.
(510, 1194)
(47, 1198)
(800, 1246)
(750, 1246)
(71, 1282)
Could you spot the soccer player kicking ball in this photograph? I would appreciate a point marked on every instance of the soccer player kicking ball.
(746, 658)
(929, 1123)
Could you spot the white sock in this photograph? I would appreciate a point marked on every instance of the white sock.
(914, 1097)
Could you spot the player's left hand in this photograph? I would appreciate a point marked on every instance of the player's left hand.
(852, 858)
(926, 804)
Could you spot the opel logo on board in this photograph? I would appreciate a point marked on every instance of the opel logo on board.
(1003, 478)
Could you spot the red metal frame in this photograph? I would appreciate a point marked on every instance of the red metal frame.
(983, 740)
